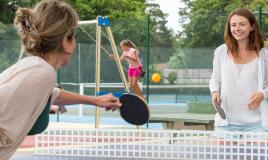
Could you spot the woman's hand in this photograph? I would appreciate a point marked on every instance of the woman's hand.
(255, 100)
(108, 102)
(216, 97)
(112, 57)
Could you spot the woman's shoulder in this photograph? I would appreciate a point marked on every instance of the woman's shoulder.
(34, 61)
(264, 53)
(34, 68)
(221, 50)
(264, 50)
(36, 64)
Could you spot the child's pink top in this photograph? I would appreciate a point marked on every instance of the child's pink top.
(133, 54)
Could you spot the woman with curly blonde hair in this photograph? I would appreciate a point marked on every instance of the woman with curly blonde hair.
(47, 34)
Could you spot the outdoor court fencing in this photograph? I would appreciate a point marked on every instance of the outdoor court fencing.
(153, 144)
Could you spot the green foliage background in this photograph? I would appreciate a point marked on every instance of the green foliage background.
(202, 23)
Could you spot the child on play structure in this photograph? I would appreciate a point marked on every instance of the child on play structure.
(130, 53)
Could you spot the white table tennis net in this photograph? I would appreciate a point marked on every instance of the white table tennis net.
(153, 144)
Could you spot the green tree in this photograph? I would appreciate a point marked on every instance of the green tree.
(9, 46)
(206, 23)
(172, 77)
(8, 8)
(162, 38)
(177, 61)
(90, 9)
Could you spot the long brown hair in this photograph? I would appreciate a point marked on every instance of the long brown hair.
(256, 42)
(43, 28)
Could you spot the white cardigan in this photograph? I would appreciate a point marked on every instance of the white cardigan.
(215, 82)
(24, 91)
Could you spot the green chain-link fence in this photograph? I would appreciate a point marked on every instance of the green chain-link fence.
(82, 67)
(185, 63)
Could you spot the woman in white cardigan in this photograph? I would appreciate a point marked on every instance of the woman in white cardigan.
(48, 34)
(239, 78)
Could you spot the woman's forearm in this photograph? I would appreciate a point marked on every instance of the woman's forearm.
(69, 98)
(106, 101)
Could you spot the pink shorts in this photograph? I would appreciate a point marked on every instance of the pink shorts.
(135, 72)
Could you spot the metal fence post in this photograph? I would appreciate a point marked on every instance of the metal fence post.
(260, 17)
(148, 59)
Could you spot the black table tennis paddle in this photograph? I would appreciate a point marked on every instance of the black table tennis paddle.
(219, 109)
(134, 109)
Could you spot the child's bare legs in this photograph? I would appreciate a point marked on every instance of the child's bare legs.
(133, 82)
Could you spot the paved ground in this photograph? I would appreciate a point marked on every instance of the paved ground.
(28, 154)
